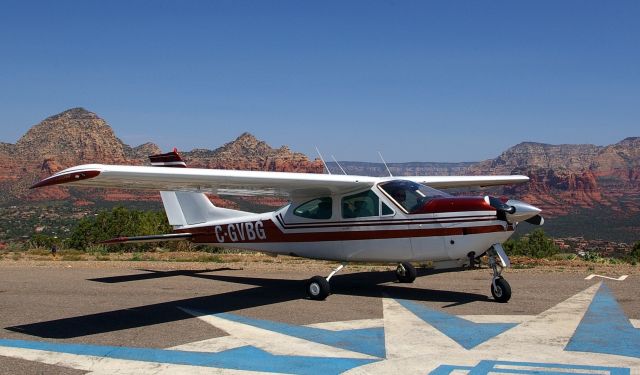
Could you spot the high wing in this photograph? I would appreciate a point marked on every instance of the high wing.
(445, 182)
(233, 182)
(216, 181)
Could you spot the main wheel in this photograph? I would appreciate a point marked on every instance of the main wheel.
(318, 288)
(501, 291)
(406, 272)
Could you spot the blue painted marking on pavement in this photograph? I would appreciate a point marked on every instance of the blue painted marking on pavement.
(367, 340)
(466, 333)
(604, 328)
(243, 358)
(506, 367)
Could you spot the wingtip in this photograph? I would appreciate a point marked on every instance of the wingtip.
(65, 178)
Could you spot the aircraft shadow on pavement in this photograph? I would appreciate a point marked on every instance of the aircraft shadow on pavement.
(266, 292)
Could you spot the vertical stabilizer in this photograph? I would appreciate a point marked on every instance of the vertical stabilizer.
(187, 208)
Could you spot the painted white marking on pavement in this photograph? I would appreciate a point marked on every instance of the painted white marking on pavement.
(215, 345)
(621, 278)
(104, 365)
(548, 332)
(274, 342)
(348, 324)
(405, 334)
(540, 339)
(497, 318)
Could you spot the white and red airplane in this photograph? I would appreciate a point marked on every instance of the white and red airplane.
(331, 217)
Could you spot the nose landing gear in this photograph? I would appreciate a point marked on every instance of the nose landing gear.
(500, 288)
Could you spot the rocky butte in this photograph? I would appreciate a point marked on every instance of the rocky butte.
(78, 136)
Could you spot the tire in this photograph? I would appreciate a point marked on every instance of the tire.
(502, 291)
(406, 272)
(318, 288)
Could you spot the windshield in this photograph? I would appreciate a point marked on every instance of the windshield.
(410, 195)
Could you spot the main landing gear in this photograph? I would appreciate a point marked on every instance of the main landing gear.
(318, 287)
(500, 288)
(406, 272)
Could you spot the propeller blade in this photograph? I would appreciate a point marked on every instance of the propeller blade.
(536, 220)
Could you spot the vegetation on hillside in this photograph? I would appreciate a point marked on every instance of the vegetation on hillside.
(119, 222)
(535, 245)
(84, 235)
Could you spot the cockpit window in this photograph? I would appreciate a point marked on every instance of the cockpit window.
(360, 205)
(410, 195)
(319, 208)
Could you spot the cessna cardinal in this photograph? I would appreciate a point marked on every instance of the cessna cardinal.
(332, 217)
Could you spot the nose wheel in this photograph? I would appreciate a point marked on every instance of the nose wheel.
(501, 290)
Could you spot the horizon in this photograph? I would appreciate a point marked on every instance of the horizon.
(414, 80)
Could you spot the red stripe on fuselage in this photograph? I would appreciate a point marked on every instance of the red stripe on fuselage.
(270, 232)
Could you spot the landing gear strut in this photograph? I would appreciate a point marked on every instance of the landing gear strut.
(500, 288)
(473, 259)
(318, 287)
(406, 272)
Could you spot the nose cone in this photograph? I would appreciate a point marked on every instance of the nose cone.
(523, 211)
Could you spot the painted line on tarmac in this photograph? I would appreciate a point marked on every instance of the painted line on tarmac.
(274, 342)
(214, 345)
(605, 329)
(466, 333)
(621, 278)
(553, 327)
(231, 359)
(348, 324)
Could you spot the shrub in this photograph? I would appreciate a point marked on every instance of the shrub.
(119, 222)
(592, 256)
(536, 245)
(634, 255)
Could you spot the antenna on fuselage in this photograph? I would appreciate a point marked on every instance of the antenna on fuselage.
(385, 164)
(342, 169)
(321, 158)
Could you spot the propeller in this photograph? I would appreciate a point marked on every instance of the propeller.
(536, 220)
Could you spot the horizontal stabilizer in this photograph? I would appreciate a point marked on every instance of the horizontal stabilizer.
(151, 238)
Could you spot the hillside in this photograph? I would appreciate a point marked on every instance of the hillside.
(566, 180)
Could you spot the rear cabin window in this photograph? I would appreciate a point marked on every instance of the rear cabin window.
(363, 204)
(319, 208)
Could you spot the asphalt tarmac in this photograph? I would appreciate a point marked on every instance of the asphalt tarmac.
(82, 319)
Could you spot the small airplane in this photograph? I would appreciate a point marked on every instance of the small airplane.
(332, 217)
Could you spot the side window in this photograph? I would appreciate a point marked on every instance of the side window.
(386, 210)
(360, 205)
(319, 208)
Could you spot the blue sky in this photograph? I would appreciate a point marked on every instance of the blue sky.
(416, 80)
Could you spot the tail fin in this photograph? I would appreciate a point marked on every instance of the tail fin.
(186, 208)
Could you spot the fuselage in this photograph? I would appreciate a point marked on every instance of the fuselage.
(368, 225)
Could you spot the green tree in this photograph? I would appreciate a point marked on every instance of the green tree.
(634, 255)
(43, 240)
(536, 245)
(119, 222)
